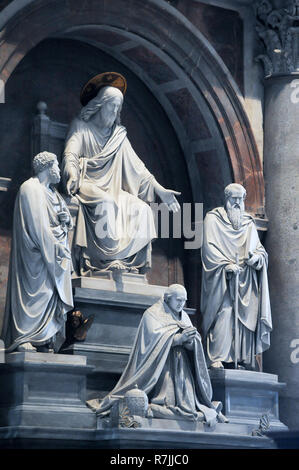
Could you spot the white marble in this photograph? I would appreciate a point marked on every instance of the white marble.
(235, 302)
(115, 225)
(39, 292)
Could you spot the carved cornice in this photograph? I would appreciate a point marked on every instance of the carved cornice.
(278, 30)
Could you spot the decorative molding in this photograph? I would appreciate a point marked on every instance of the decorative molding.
(264, 426)
(4, 184)
(99, 348)
(261, 223)
(125, 419)
(278, 30)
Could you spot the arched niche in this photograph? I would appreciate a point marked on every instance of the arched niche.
(179, 68)
(175, 61)
(54, 72)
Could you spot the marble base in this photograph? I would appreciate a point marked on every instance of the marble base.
(145, 438)
(42, 405)
(247, 396)
(285, 439)
(180, 439)
(44, 390)
(118, 303)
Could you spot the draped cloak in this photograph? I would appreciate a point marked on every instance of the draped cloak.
(176, 380)
(39, 291)
(114, 222)
(221, 242)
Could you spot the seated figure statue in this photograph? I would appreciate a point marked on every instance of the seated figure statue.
(39, 291)
(115, 225)
(167, 363)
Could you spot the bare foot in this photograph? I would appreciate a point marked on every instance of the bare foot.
(217, 365)
(46, 349)
(221, 418)
(26, 347)
(134, 270)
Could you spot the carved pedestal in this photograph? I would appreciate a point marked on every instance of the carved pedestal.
(179, 434)
(118, 302)
(44, 391)
(247, 396)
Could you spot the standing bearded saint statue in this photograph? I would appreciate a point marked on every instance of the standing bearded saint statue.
(39, 291)
(229, 232)
(115, 226)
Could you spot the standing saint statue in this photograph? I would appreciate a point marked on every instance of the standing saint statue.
(167, 362)
(115, 224)
(231, 245)
(39, 291)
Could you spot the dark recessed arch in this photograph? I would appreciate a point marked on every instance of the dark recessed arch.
(199, 95)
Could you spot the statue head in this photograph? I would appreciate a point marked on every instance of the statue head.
(175, 297)
(46, 163)
(105, 107)
(235, 195)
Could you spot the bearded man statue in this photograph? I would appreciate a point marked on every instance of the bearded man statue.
(231, 245)
(39, 290)
(115, 225)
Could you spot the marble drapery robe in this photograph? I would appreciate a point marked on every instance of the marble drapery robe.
(221, 243)
(176, 380)
(113, 185)
(39, 292)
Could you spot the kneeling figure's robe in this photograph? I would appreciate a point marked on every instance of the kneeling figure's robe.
(175, 379)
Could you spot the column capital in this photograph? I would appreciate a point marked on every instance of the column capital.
(278, 30)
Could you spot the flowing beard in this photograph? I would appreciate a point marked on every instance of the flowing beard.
(235, 216)
(108, 120)
(55, 178)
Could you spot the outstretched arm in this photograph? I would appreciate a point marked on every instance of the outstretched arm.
(167, 196)
(138, 180)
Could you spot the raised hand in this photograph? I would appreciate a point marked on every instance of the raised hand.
(168, 197)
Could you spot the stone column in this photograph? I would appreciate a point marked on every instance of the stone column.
(281, 171)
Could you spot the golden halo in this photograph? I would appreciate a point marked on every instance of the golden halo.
(91, 88)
